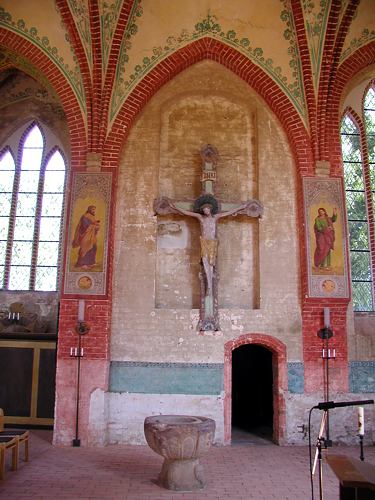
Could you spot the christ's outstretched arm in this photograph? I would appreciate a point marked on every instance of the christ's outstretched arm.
(233, 211)
(184, 212)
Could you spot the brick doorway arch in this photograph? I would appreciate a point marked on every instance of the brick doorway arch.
(278, 350)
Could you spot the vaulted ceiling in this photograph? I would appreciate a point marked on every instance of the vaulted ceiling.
(106, 51)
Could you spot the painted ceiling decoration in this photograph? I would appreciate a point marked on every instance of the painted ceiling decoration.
(121, 87)
(20, 27)
(9, 59)
(365, 37)
(17, 87)
(208, 27)
(316, 17)
(80, 13)
(359, 33)
(109, 13)
(105, 48)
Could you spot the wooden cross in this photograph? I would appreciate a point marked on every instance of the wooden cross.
(208, 210)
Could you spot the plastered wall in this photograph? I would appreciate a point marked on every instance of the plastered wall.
(141, 330)
(156, 288)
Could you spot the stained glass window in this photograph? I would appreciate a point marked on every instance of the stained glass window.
(359, 176)
(32, 182)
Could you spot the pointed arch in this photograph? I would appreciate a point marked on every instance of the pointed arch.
(370, 86)
(309, 89)
(31, 253)
(358, 61)
(7, 150)
(208, 48)
(279, 358)
(349, 111)
(333, 45)
(80, 53)
(51, 72)
(113, 60)
(360, 298)
(31, 128)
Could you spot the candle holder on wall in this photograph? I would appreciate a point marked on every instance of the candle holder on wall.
(82, 328)
(326, 334)
(14, 317)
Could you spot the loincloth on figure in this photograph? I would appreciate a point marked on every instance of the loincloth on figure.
(209, 250)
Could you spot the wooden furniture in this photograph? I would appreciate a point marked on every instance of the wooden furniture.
(357, 479)
(8, 443)
(23, 438)
(27, 374)
(21, 435)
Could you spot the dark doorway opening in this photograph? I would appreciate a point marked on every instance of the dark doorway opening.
(252, 394)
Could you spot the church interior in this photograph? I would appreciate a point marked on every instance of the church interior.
(187, 216)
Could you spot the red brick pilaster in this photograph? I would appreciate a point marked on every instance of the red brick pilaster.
(312, 322)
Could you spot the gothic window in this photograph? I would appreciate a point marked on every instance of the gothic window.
(32, 182)
(358, 150)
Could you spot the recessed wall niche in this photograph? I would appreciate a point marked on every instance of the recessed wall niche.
(189, 121)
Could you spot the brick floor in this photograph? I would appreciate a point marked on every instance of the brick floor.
(129, 472)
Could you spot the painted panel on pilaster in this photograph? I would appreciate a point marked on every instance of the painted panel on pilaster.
(326, 245)
(86, 265)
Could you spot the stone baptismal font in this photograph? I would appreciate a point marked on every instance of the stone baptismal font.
(181, 440)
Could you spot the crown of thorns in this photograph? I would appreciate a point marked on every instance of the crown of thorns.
(206, 199)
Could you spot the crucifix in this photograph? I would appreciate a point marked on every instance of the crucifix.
(208, 209)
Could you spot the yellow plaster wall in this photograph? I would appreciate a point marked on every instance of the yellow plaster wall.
(364, 19)
(260, 23)
(255, 160)
(45, 17)
(354, 92)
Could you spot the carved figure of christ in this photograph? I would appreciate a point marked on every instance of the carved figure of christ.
(207, 213)
(206, 208)
(209, 241)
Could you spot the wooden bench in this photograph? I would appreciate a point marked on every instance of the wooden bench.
(21, 436)
(357, 478)
(8, 443)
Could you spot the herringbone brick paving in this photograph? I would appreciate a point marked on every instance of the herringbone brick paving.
(240, 472)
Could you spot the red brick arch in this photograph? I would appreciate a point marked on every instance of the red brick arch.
(208, 48)
(358, 61)
(51, 72)
(280, 384)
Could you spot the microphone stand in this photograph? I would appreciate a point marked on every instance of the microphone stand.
(318, 453)
(325, 406)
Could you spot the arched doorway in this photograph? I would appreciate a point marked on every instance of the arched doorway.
(252, 393)
(277, 353)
